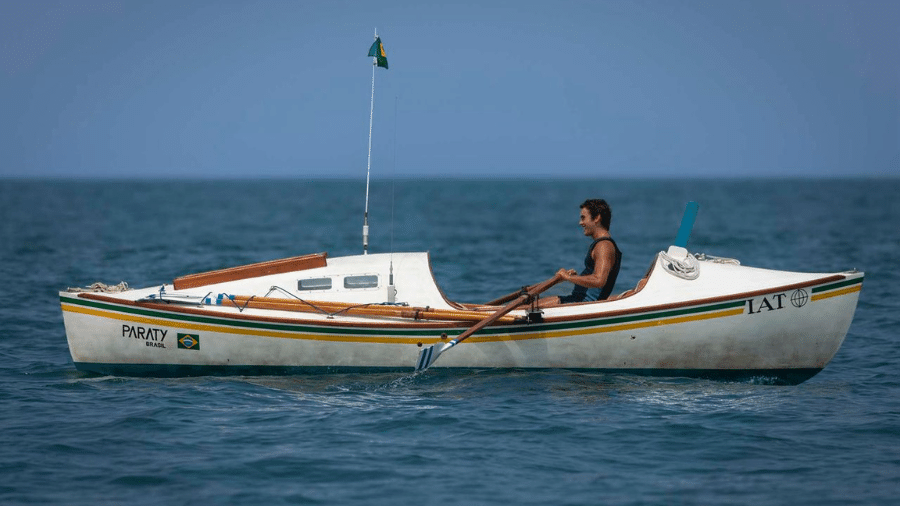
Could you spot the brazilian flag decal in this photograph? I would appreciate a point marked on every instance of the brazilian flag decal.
(189, 341)
(377, 52)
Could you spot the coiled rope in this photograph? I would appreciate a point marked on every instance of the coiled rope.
(101, 287)
(688, 268)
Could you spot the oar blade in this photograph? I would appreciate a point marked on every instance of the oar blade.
(687, 224)
(429, 355)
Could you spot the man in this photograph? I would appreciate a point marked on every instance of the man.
(601, 265)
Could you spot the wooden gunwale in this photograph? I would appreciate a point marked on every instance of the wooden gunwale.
(279, 266)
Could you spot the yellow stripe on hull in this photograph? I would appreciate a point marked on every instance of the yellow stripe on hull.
(836, 293)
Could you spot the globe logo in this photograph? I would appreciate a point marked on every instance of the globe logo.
(799, 298)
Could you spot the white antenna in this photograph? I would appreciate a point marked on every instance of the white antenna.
(369, 164)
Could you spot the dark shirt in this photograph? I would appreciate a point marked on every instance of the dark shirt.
(585, 294)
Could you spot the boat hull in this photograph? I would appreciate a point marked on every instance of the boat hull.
(786, 334)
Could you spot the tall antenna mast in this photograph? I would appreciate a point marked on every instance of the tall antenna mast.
(369, 162)
(379, 59)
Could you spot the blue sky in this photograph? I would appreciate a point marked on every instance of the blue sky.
(483, 88)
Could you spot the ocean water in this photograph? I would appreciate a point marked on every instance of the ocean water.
(478, 437)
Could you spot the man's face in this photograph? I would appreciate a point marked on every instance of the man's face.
(590, 225)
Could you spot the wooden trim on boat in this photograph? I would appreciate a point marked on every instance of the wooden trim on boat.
(694, 302)
(280, 266)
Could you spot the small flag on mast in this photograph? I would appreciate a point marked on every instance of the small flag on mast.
(377, 52)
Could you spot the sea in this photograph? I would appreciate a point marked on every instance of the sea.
(482, 437)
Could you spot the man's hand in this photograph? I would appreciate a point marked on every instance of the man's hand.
(566, 274)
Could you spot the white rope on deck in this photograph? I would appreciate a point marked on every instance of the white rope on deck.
(686, 268)
(703, 257)
(101, 287)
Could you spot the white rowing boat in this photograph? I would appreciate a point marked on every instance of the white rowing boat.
(690, 316)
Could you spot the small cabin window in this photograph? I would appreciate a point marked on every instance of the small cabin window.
(365, 281)
(314, 284)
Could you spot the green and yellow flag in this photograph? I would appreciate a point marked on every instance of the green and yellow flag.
(377, 52)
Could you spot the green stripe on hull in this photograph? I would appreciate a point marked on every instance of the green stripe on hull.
(840, 284)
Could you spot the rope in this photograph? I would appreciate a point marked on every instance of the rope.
(101, 287)
(689, 267)
(323, 311)
(685, 269)
(241, 308)
(703, 257)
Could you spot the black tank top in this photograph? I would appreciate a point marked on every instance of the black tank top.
(583, 293)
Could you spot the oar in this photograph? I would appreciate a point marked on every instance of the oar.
(506, 298)
(430, 354)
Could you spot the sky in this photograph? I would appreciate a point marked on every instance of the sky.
(485, 88)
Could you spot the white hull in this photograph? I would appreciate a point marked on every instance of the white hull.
(731, 321)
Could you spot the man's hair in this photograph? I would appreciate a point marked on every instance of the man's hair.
(599, 207)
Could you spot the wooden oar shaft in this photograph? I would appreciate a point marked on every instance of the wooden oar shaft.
(508, 297)
(355, 309)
